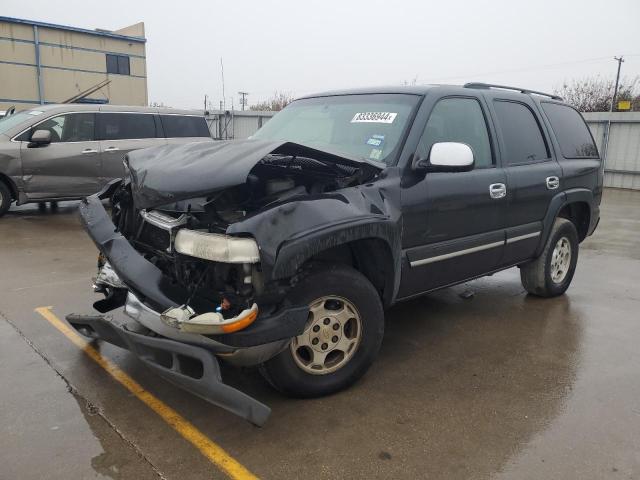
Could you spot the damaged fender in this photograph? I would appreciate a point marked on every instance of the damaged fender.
(294, 232)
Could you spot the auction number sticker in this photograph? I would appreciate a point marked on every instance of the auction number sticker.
(374, 117)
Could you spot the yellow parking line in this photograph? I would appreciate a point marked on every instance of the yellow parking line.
(189, 432)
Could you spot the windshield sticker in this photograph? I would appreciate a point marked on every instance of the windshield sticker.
(374, 117)
(376, 154)
(376, 140)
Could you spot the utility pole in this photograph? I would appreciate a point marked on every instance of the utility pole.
(620, 60)
(243, 98)
(224, 99)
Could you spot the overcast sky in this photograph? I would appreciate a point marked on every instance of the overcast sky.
(304, 46)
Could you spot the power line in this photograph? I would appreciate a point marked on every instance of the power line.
(524, 69)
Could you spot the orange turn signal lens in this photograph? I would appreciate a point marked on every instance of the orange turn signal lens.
(242, 323)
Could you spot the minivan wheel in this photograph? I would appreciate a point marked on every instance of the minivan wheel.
(5, 198)
(341, 339)
(551, 273)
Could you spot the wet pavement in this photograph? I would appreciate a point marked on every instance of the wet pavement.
(499, 385)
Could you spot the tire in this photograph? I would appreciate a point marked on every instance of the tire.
(551, 273)
(5, 198)
(346, 307)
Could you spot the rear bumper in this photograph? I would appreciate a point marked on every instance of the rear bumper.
(190, 367)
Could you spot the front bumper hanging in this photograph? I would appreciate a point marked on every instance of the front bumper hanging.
(190, 367)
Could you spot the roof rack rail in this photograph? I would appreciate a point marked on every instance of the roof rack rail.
(504, 87)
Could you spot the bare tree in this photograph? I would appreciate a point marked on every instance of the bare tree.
(277, 102)
(594, 94)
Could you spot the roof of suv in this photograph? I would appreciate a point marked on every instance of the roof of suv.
(424, 89)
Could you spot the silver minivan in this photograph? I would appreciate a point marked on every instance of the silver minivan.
(66, 152)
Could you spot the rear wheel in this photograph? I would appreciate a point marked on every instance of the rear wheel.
(5, 198)
(551, 273)
(341, 339)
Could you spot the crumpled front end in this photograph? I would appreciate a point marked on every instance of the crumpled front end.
(191, 252)
(165, 331)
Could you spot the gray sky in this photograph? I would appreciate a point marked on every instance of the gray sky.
(305, 46)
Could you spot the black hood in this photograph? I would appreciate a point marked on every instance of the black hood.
(170, 173)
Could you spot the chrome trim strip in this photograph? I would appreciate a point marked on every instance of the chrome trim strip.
(437, 258)
(165, 222)
(522, 237)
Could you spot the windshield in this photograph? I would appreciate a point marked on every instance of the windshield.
(7, 123)
(367, 127)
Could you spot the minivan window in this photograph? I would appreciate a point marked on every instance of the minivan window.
(458, 120)
(523, 139)
(69, 127)
(184, 126)
(7, 123)
(124, 126)
(572, 133)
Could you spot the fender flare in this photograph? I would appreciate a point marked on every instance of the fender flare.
(558, 202)
(292, 254)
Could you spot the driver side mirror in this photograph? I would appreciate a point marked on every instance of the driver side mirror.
(446, 157)
(40, 138)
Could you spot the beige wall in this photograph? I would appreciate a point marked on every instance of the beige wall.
(71, 62)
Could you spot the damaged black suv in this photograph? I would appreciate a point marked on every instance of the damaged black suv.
(283, 250)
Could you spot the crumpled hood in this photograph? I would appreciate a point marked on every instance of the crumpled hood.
(170, 173)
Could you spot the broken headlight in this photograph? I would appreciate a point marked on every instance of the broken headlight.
(216, 247)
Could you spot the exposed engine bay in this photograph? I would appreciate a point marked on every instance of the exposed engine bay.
(228, 288)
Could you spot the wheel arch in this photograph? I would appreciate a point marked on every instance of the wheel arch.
(10, 183)
(371, 249)
(575, 205)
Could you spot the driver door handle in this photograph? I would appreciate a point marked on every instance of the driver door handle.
(497, 190)
(89, 151)
(111, 149)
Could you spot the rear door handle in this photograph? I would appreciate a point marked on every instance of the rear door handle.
(497, 190)
(89, 151)
(111, 149)
(553, 183)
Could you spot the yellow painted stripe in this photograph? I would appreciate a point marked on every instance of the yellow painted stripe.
(186, 429)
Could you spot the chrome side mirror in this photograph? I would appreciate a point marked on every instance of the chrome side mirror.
(451, 157)
(445, 157)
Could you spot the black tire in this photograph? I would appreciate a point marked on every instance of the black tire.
(282, 371)
(537, 276)
(5, 198)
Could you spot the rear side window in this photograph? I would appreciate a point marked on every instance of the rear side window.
(184, 126)
(123, 126)
(521, 133)
(572, 133)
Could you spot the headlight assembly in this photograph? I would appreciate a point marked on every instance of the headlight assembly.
(216, 247)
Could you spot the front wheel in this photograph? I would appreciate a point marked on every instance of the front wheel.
(5, 198)
(341, 339)
(551, 273)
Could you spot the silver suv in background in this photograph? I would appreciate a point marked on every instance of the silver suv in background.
(66, 152)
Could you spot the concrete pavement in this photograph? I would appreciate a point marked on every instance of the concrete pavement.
(501, 385)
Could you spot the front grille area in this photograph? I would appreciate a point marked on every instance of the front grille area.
(154, 237)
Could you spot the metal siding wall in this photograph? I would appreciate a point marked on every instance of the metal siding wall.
(624, 147)
(243, 125)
